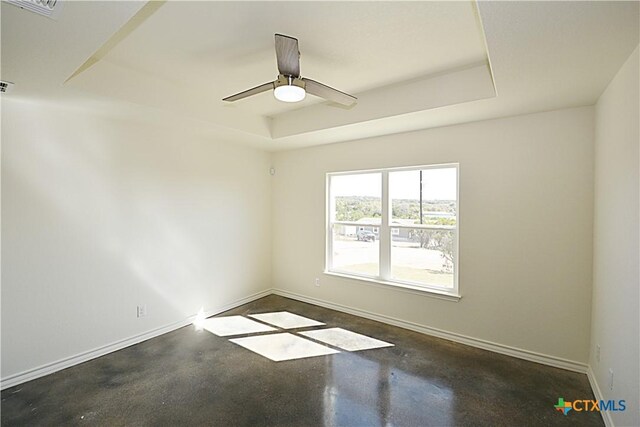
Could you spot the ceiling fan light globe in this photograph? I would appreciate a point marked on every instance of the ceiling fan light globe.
(289, 93)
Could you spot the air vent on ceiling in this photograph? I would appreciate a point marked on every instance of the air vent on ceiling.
(5, 86)
(48, 8)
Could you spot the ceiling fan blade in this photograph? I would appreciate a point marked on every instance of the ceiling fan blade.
(288, 55)
(323, 91)
(253, 91)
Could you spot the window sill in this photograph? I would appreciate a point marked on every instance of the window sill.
(434, 293)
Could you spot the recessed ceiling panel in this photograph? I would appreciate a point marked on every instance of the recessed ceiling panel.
(226, 47)
(205, 51)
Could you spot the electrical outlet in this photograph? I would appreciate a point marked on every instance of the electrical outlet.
(317, 282)
(598, 353)
(142, 310)
(611, 379)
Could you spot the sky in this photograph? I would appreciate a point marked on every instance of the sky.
(437, 184)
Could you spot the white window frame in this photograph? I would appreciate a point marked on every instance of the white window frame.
(385, 231)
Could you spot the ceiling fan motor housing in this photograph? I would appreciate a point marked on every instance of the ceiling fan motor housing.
(289, 89)
(283, 80)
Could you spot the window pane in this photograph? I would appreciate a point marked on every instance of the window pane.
(356, 197)
(355, 250)
(423, 256)
(438, 201)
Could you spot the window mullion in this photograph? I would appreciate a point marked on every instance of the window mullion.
(385, 237)
(329, 213)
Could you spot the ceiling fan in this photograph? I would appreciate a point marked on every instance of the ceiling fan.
(289, 86)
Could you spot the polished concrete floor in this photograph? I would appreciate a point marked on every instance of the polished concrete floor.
(193, 377)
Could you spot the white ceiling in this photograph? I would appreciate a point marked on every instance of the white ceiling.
(182, 58)
(228, 47)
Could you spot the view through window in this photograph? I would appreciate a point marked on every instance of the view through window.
(395, 225)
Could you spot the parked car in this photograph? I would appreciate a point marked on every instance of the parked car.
(366, 236)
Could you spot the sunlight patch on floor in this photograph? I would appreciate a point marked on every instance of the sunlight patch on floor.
(284, 346)
(345, 340)
(234, 325)
(286, 320)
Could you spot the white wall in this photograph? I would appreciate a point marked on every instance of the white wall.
(526, 203)
(100, 215)
(616, 278)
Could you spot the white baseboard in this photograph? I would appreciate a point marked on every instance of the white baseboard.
(451, 336)
(49, 368)
(31, 374)
(606, 416)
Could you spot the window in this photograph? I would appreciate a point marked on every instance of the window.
(395, 226)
